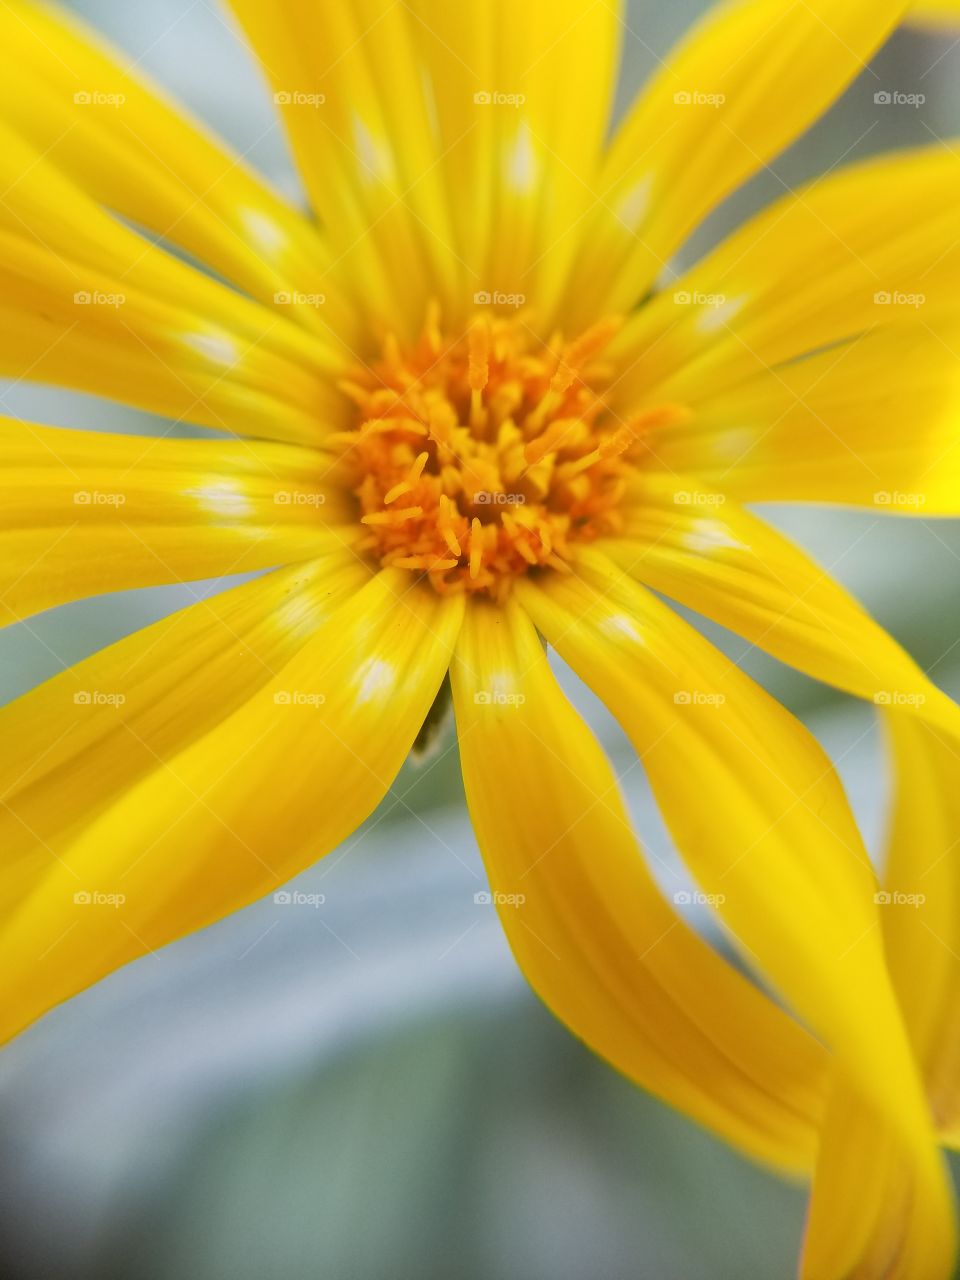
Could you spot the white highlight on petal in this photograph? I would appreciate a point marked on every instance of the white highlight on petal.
(215, 346)
(619, 625)
(733, 444)
(376, 161)
(373, 676)
(632, 207)
(521, 160)
(503, 686)
(719, 315)
(223, 498)
(295, 609)
(709, 535)
(267, 234)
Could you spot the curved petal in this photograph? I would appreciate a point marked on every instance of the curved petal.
(870, 246)
(170, 339)
(117, 136)
(872, 424)
(920, 907)
(455, 139)
(70, 747)
(82, 513)
(749, 78)
(321, 68)
(287, 776)
(730, 566)
(755, 807)
(587, 923)
(48, 210)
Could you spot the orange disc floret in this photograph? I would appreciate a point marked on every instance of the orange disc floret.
(480, 456)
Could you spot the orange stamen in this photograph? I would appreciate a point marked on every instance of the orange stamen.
(500, 445)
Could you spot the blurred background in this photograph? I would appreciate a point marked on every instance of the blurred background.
(364, 1088)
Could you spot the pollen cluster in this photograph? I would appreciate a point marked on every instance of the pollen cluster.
(483, 455)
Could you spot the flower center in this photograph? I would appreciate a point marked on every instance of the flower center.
(486, 454)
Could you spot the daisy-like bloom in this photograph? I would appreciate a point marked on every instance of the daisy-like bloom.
(467, 417)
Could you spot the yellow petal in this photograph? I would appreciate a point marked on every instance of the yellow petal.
(70, 747)
(82, 513)
(323, 62)
(918, 906)
(921, 907)
(289, 774)
(754, 806)
(870, 246)
(459, 140)
(98, 119)
(935, 13)
(864, 1220)
(88, 304)
(872, 424)
(587, 923)
(715, 557)
(746, 81)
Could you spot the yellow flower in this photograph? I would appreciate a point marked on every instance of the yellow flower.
(468, 416)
